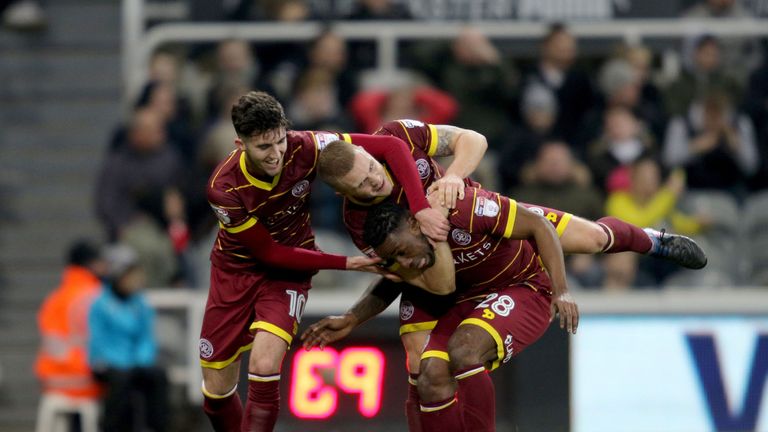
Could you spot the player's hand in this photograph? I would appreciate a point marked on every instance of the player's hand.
(328, 330)
(566, 307)
(447, 189)
(370, 265)
(433, 224)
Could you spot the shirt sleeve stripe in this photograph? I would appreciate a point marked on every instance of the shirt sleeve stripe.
(240, 228)
(511, 218)
(346, 137)
(432, 140)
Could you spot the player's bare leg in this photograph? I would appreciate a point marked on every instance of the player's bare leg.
(612, 235)
(471, 349)
(439, 407)
(221, 402)
(264, 366)
(413, 343)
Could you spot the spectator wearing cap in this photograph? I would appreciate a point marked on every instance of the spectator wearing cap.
(523, 141)
(704, 73)
(122, 348)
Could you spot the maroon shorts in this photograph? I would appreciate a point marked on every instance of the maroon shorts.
(420, 310)
(241, 303)
(558, 218)
(515, 317)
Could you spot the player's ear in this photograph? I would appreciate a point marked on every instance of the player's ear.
(240, 144)
(413, 224)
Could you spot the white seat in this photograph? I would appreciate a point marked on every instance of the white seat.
(54, 406)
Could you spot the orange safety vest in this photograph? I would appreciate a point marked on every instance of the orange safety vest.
(62, 362)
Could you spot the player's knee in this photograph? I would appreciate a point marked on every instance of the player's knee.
(464, 349)
(435, 381)
(217, 383)
(263, 365)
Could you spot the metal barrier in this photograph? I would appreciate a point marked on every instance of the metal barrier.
(139, 42)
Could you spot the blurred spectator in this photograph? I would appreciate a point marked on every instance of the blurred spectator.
(62, 362)
(379, 10)
(648, 203)
(314, 105)
(621, 86)
(483, 83)
(235, 65)
(742, 54)
(572, 87)
(557, 180)
(651, 98)
(372, 108)
(622, 142)
(328, 53)
(714, 143)
(757, 107)
(138, 198)
(122, 348)
(703, 74)
(219, 139)
(539, 110)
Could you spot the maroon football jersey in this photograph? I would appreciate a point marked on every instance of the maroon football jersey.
(282, 205)
(485, 257)
(422, 140)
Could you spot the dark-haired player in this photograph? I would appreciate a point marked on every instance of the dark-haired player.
(264, 255)
(504, 298)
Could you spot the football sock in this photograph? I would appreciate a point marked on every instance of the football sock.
(441, 416)
(263, 403)
(412, 405)
(224, 411)
(624, 237)
(477, 399)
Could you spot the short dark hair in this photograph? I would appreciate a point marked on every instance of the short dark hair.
(381, 221)
(257, 112)
(553, 30)
(82, 253)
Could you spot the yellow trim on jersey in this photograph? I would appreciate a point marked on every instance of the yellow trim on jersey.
(437, 408)
(210, 395)
(224, 363)
(253, 180)
(474, 203)
(432, 140)
(494, 334)
(271, 328)
(511, 218)
(240, 228)
(435, 354)
(346, 137)
(231, 155)
(421, 326)
(563, 224)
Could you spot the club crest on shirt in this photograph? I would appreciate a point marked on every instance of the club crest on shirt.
(536, 210)
(412, 123)
(300, 188)
(406, 310)
(461, 237)
(422, 166)
(221, 214)
(206, 348)
(323, 139)
(486, 207)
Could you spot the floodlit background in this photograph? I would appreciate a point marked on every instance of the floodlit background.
(113, 114)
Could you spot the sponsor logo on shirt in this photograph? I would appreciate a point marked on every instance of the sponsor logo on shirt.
(221, 214)
(406, 310)
(486, 207)
(300, 188)
(206, 348)
(412, 123)
(461, 237)
(323, 139)
(422, 166)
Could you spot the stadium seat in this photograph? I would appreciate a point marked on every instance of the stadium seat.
(755, 220)
(51, 415)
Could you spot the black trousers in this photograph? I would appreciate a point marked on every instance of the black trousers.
(136, 399)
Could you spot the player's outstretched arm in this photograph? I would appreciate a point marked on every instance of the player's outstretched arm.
(530, 226)
(468, 148)
(379, 295)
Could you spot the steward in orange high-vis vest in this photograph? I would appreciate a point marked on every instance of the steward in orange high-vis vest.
(62, 362)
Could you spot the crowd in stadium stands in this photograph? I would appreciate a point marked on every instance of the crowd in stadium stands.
(614, 135)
